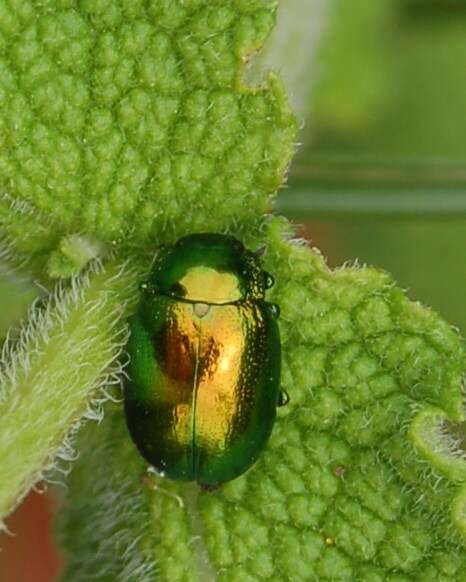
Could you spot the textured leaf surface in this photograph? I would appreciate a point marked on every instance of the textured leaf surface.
(119, 118)
(360, 482)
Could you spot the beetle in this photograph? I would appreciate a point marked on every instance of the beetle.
(205, 359)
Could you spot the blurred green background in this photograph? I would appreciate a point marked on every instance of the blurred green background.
(380, 176)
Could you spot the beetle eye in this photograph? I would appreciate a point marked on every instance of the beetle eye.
(177, 290)
(269, 280)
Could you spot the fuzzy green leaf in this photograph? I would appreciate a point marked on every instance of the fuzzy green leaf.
(122, 118)
(122, 124)
(362, 479)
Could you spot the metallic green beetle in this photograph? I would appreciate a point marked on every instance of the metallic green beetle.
(204, 361)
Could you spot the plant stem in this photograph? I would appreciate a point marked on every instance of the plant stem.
(66, 353)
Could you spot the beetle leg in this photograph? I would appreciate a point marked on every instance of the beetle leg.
(269, 280)
(283, 398)
(274, 310)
